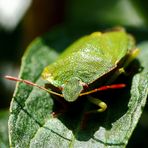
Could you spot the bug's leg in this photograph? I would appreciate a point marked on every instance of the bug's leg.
(61, 107)
(131, 56)
(99, 103)
(116, 74)
(102, 107)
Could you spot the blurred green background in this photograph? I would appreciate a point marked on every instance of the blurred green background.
(21, 23)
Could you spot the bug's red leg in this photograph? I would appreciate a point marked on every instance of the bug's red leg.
(113, 86)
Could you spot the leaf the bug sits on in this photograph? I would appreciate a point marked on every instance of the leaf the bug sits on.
(31, 123)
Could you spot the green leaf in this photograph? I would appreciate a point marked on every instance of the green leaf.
(143, 55)
(98, 12)
(32, 125)
(4, 142)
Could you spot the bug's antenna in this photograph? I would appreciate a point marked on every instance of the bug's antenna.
(32, 84)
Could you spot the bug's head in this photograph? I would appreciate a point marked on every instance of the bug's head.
(72, 89)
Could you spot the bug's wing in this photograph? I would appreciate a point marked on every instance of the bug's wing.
(89, 58)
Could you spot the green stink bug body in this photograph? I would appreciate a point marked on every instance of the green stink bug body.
(85, 62)
(88, 59)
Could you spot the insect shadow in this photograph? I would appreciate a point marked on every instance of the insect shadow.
(116, 100)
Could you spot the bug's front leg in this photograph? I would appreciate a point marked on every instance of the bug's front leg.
(99, 103)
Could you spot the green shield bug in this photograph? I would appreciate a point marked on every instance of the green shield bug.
(85, 62)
